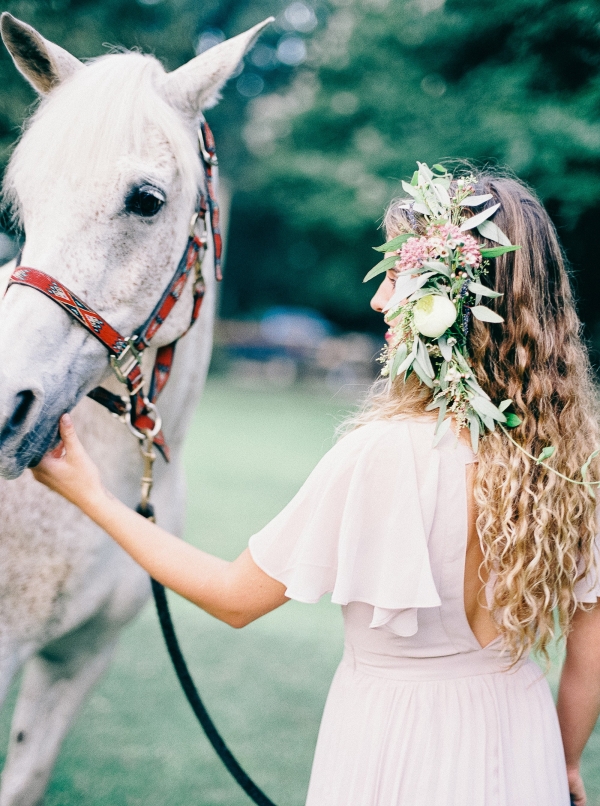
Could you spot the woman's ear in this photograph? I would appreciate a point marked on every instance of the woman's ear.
(43, 63)
(195, 86)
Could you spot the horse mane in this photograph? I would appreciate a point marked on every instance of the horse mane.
(100, 115)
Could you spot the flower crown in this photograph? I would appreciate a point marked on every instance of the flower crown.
(439, 287)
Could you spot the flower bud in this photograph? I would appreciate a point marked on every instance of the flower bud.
(433, 315)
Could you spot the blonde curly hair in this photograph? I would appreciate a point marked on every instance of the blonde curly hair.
(536, 529)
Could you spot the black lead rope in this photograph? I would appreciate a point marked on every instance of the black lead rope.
(191, 692)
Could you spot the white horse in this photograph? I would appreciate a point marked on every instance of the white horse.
(104, 133)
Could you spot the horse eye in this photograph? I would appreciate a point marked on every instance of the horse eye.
(145, 201)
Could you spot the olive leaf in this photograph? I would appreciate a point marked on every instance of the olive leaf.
(443, 371)
(475, 201)
(383, 265)
(483, 290)
(492, 232)
(421, 373)
(478, 219)
(505, 404)
(423, 359)
(474, 428)
(439, 168)
(398, 359)
(496, 251)
(395, 243)
(545, 454)
(445, 348)
(441, 430)
(438, 266)
(485, 314)
(486, 408)
(424, 171)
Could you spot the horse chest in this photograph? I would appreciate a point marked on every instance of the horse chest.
(56, 567)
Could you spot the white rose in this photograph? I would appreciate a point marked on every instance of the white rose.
(433, 315)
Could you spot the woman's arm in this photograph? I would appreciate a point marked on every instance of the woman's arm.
(579, 693)
(236, 592)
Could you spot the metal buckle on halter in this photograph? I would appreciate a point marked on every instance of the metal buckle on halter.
(210, 159)
(125, 363)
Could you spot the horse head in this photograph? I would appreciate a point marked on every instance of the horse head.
(103, 183)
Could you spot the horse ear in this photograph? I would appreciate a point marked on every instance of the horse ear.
(195, 85)
(43, 63)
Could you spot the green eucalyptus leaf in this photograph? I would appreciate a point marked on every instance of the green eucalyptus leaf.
(475, 387)
(546, 453)
(483, 290)
(512, 420)
(445, 349)
(474, 428)
(496, 251)
(395, 243)
(442, 413)
(443, 371)
(425, 171)
(461, 360)
(383, 265)
(485, 314)
(438, 266)
(478, 219)
(412, 190)
(424, 359)
(485, 408)
(415, 178)
(439, 168)
(475, 201)
(399, 357)
(441, 431)
(492, 232)
(435, 404)
(422, 374)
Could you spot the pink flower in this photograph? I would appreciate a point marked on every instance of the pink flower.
(439, 242)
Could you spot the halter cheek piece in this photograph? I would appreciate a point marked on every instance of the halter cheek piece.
(136, 409)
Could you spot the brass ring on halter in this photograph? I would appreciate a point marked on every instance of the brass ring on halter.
(147, 433)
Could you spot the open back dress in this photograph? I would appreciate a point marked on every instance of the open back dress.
(418, 714)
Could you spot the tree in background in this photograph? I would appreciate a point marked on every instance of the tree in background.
(389, 82)
(336, 103)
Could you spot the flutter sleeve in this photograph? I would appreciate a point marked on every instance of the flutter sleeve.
(358, 528)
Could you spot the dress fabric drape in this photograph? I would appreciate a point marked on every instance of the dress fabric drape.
(418, 714)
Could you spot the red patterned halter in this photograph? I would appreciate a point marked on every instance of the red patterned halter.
(137, 409)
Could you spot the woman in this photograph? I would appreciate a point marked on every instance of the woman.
(449, 565)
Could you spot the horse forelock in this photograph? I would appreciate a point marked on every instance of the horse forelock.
(110, 111)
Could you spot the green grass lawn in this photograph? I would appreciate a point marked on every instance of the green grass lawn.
(136, 742)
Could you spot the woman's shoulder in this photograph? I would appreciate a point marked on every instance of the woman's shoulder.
(416, 434)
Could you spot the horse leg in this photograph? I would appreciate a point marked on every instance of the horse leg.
(55, 683)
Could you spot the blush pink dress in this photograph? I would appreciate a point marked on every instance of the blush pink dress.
(418, 714)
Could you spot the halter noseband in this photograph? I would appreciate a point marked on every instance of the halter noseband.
(136, 409)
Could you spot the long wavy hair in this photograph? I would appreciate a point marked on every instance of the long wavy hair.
(536, 529)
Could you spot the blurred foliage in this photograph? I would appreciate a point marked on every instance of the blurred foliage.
(387, 83)
(313, 152)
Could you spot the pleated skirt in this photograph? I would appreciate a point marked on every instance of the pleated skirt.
(488, 739)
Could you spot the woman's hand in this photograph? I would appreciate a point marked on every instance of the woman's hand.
(68, 469)
(576, 787)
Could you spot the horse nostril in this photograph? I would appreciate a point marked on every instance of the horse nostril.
(24, 401)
